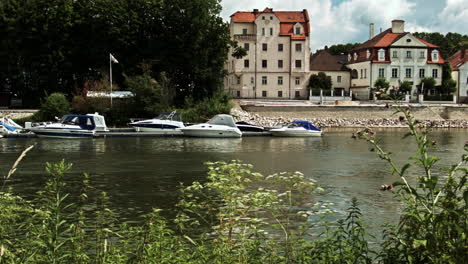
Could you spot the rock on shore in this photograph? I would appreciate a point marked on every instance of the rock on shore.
(260, 120)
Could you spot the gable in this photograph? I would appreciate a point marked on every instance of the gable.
(408, 40)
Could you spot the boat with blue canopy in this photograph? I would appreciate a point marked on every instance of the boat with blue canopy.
(298, 128)
(72, 126)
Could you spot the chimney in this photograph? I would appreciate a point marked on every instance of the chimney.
(398, 26)
(255, 11)
(371, 30)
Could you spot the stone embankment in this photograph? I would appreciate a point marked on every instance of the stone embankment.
(270, 121)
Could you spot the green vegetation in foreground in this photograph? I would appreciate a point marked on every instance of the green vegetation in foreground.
(240, 216)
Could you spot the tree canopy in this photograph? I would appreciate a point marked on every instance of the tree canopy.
(320, 81)
(58, 45)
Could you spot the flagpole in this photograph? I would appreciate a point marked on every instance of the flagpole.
(110, 70)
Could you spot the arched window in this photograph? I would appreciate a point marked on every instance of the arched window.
(354, 74)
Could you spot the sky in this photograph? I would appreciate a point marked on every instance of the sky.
(345, 21)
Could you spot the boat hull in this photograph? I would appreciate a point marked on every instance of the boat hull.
(211, 133)
(295, 133)
(63, 133)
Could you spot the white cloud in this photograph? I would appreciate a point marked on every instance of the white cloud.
(349, 20)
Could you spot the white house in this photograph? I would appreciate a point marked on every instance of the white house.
(395, 55)
(459, 63)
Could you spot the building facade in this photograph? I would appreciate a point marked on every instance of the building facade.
(395, 55)
(459, 63)
(333, 66)
(278, 54)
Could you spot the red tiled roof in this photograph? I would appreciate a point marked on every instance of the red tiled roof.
(456, 60)
(287, 20)
(430, 45)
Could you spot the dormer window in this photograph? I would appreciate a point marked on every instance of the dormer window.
(355, 56)
(297, 30)
(381, 54)
(435, 55)
(368, 54)
(349, 57)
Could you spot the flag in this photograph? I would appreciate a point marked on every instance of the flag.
(114, 60)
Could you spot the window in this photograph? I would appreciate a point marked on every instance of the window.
(264, 47)
(280, 64)
(298, 64)
(394, 73)
(362, 74)
(280, 80)
(280, 47)
(271, 17)
(246, 63)
(263, 17)
(368, 54)
(381, 73)
(365, 73)
(238, 93)
(298, 81)
(298, 47)
(244, 31)
(338, 79)
(422, 54)
(435, 55)
(264, 80)
(252, 80)
(381, 54)
(297, 94)
(264, 93)
(246, 46)
(280, 93)
(355, 56)
(238, 80)
(264, 63)
(271, 31)
(422, 73)
(435, 73)
(263, 31)
(297, 31)
(395, 54)
(408, 73)
(408, 54)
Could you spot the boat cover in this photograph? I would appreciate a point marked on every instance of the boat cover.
(223, 120)
(5, 125)
(306, 124)
(84, 121)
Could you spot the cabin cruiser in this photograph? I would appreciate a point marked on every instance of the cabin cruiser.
(8, 126)
(246, 127)
(220, 126)
(164, 123)
(72, 126)
(297, 128)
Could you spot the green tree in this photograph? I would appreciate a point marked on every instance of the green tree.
(448, 84)
(427, 83)
(320, 81)
(339, 49)
(55, 105)
(405, 87)
(381, 83)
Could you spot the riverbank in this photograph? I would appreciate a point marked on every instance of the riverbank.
(353, 117)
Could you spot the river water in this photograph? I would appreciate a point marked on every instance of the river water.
(142, 173)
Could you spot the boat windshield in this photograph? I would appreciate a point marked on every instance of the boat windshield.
(224, 120)
(169, 116)
(84, 122)
(70, 120)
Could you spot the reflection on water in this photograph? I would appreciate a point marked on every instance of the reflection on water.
(141, 173)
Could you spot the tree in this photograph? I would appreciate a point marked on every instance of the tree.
(381, 84)
(448, 84)
(427, 84)
(339, 49)
(320, 81)
(405, 87)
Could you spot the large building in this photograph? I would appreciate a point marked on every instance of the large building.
(459, 63)
(395, 55)
(278, 53)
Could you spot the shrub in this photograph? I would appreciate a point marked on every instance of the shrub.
(55, 105)
(198, 112)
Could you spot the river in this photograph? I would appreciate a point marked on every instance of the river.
(141, 173)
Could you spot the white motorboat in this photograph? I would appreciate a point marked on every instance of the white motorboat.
(220, 126)
(164, 123)
(297, 129)
(72, 126)
(246, 127)
(8, 126)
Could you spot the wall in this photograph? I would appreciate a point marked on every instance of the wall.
(366, 112)
(15, 114)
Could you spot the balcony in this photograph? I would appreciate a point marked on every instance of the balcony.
(245, 37)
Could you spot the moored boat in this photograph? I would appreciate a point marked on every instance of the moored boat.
(163, 123)
(297, 128)
(220, 126)
(246, 127)
(72, 126)
(8, 126)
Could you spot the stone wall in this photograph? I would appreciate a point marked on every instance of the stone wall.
(15, 114)
(363, 112)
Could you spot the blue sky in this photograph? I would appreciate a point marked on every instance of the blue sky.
(343, 21)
